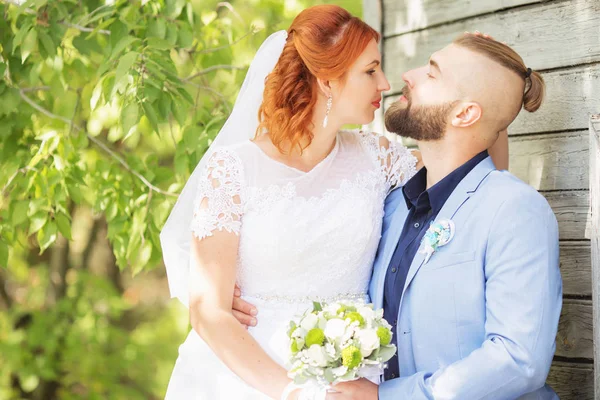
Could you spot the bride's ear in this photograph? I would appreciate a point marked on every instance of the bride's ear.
(324, 87)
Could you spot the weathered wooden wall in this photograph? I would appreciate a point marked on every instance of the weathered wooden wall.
(549, 149)
(595, 238)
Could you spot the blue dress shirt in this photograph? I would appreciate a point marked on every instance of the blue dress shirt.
(423, 205)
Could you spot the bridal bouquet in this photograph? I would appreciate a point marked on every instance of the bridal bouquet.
(338, 342)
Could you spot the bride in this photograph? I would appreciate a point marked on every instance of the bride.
(284, 203)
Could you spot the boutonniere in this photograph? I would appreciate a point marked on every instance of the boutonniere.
(439, 234)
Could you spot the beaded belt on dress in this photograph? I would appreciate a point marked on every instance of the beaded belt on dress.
(302, 299)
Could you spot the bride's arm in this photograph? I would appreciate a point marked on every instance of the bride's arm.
(212, 283)
(216, 225)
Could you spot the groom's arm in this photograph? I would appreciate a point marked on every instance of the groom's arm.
(523, 302)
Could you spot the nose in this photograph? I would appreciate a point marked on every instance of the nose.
(408, 78)
(384, 84)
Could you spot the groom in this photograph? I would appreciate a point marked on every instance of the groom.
(475, 298)
(476, 315)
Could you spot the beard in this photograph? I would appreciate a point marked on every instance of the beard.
(422, 123)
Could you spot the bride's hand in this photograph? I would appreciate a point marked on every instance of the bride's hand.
(243, 311)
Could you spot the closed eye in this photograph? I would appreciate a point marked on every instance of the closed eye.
(371, 71)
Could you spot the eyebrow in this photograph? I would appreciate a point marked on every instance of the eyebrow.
(435, 65)
(376, 62)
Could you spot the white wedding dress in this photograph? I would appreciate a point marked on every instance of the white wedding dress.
(303, 236)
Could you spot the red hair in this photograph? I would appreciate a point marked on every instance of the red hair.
(323, 42)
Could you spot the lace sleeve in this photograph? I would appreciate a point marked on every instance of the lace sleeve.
(397, 163)
(218, 202)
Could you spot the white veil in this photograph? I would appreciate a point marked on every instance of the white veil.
(241, 125)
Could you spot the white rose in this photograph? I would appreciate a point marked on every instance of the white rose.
(335, 328)
(322, 322)
(367, 313)
(340, 371)
(330, 350)
(309, 322)
(299, 333)
(332, 308)
(369, 341)
(316, 355)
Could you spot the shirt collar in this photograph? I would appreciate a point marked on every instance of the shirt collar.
(415, 192)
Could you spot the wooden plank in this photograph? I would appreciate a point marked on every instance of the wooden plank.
(572, 381)
(406, 16)
(595, 237)
(550, 35)
(572, 211)
(576, 268)
(551, 162)
(575, 330)
(571, 97)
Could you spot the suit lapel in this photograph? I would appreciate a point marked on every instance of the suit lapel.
(459, 196)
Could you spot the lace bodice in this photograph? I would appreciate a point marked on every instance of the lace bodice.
(302, 234)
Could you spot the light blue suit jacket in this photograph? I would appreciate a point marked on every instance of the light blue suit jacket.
(479, 319)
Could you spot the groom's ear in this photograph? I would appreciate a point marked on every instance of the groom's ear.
(324, 87)
(466, 115)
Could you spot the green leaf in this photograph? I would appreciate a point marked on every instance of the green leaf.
(96, 94)
(18, 39)
(171, 34)
(19, 213)
(29, 44)
(157, 28)
(129, 116)
(37, 222)
(191, 137)
(185, 95)
(47, 43)
(174, 7)
(317, 306)
(208, 16)
(159, 44)
(164, 106)
(3, 254)
(123, 43)
(64, 225)
(185, 37)
(179, 109)
(47, 236)
(125, 64)
(75, 193)
(118, 30)
(151, 115)
(386, 352)
(142, 257)
(86, 46)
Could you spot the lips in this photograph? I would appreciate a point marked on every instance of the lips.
(376, 104)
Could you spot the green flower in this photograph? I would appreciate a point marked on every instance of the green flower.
(355, 316)
(315, 336)
(294, 347)
(385, 336)
(351, 357)
(343, 308)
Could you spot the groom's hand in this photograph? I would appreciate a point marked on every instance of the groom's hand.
(244, 312)
(361, 389)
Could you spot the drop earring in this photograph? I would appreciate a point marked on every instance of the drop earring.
(329, 102)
